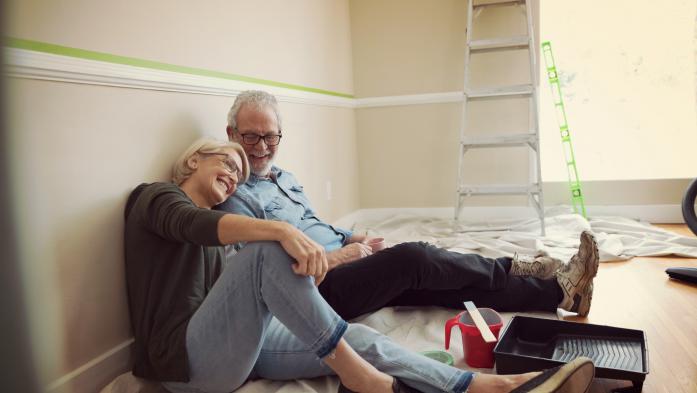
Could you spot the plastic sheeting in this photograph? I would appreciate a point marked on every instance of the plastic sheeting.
(618, 238)
(422, 329)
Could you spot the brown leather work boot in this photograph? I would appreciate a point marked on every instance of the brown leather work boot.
(576, 277)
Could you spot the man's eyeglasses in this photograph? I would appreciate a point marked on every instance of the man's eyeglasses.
(252, 139)
(227, 162)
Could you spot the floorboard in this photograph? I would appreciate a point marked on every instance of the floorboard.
(638, 294)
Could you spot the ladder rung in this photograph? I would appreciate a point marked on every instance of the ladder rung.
(498, 140)
(498, 189)
(503, 91)
(497, 44)
(498, 2)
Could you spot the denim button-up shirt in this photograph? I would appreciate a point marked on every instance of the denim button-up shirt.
(281, 198)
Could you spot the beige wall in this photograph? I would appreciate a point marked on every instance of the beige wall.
(408, 158)
(416, 47)
(77, 149)
(407, 46)
(305, 42)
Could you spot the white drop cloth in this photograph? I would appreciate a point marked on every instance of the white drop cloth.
(419, 329)
(423, 328)
(618, 238)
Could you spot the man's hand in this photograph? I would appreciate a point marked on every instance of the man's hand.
(348, 253)
(310, 256)
(356, 238)
(365, 239)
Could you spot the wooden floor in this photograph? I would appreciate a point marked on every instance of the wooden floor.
(638, 294)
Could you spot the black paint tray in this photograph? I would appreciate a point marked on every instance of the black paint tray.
(533, 344)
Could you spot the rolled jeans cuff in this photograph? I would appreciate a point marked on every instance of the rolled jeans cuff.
(333, 340)
(463, 384)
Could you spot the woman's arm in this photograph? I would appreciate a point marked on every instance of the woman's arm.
(310, 256)
(167, 212)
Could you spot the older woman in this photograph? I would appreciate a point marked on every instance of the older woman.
(203, 324)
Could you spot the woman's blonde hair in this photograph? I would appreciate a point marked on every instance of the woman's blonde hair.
(181, 170)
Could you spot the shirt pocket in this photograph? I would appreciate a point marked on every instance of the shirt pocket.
(282, 209)
(298, 196)
(272, 206)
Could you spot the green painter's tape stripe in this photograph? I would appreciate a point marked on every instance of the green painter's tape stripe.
(132, 61)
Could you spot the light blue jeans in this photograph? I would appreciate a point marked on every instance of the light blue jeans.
(261, 320)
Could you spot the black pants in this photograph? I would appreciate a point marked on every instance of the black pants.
(420, 274)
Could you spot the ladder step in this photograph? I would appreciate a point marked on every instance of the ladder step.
(498, 2)
(499, 140)
(498, 189)
(498, 44)
(503, 91)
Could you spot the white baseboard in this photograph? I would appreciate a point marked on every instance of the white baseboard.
(95, 374)
(656, 214)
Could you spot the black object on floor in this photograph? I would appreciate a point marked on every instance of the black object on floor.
(533, 344)
(688, 206)
(688, 274)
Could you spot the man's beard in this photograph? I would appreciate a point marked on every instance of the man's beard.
(264, 170)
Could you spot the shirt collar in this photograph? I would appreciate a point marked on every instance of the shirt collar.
(254, 179)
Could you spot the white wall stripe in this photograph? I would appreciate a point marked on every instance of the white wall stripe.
(412, 99)
(24, 63)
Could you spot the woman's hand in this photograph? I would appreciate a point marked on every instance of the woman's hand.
(310, 257)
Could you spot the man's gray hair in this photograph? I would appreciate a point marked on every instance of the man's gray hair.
(259, 99)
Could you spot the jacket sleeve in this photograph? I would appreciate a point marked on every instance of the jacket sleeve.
(171, 215)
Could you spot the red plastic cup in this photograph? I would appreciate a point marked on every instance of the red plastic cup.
(478, 353)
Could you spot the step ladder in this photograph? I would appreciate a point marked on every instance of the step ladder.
(530, 137)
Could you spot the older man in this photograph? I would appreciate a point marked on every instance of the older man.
(407, 274)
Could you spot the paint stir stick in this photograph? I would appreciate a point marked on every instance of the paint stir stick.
(487, 335)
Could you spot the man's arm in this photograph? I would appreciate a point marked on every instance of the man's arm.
(354, 246)
(348, 253)
(245, 202)
(169, 214)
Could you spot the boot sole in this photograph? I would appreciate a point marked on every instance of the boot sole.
(582, 302)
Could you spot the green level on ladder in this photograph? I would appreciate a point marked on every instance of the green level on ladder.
(574, 182)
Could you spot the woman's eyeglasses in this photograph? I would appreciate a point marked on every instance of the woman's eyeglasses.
(226, 162)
